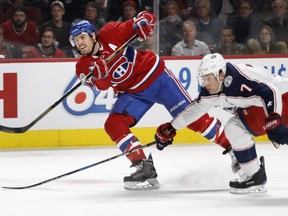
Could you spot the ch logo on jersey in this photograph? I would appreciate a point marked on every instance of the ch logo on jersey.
(121, 70)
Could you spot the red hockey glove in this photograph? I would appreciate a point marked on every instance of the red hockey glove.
(276, 131)
(149, 16)
(99, 68)
(144, 25)
(164, 135)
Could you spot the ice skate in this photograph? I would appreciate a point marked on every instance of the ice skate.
(145, 176)
(250, 184)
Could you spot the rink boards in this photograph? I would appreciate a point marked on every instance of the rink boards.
(28, 88)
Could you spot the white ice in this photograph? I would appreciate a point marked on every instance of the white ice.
(194, 181)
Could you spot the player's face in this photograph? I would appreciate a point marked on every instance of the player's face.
(211, 83)
(84, 43)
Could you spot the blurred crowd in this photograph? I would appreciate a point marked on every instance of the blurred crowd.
(40, 28)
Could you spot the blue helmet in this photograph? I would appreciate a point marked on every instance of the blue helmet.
(80, 27)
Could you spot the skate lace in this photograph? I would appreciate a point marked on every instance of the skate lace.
(143, 169)
(244, 178)
(139, 168)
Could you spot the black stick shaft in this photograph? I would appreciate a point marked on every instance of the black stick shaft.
(81, 169)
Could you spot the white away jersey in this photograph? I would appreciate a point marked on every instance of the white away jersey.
(244, 86)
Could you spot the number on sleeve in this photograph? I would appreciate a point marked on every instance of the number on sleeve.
(245, 87)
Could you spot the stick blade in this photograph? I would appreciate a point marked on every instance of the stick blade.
(14, 129)
(7, 187)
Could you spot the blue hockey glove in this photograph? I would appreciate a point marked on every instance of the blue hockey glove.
(276, 131)
(164, 135)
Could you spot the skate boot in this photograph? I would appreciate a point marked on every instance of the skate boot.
(145, 176)
(250, 184)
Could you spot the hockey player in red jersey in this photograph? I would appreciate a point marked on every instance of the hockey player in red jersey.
(140, 79)
(259, 101)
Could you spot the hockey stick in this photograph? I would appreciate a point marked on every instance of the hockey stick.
(83, 168)
(27, 127)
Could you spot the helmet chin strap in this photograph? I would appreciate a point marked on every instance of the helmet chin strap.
(220, 82)
(94, 44)
(220, 86)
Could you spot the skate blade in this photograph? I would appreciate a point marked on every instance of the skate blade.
(253, 189)
(149, 184)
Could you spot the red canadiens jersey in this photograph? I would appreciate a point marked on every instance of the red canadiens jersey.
(36, 53)
(29, 36)
(131, 71)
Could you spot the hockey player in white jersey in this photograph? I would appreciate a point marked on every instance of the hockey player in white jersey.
(259, 102)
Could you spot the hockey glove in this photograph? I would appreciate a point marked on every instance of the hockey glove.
(142, 26)
(99, 68)
(276, 131)
(164, 135)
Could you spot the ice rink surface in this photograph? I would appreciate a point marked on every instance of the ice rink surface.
(194, 181)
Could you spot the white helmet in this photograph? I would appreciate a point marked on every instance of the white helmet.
(211, 63)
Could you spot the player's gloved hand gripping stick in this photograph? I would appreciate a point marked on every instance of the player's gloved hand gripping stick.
(164, 135)
(276, 131)
(27, 127)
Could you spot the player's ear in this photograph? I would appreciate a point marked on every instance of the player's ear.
(93, 35)
(221, 75)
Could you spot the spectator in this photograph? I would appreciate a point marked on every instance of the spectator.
(61, 28)
(208, 27)
(102, 8)
(189, 46)
(170, 28)
(129, 11)
(185, 8)
(21, 32)
(244, 23)
(279, 20)
(46, 48)
(266, 41)
(33, 13)
(227, 45)
(282, 47)
(91, 14)
(8, 50)
(224, 8)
